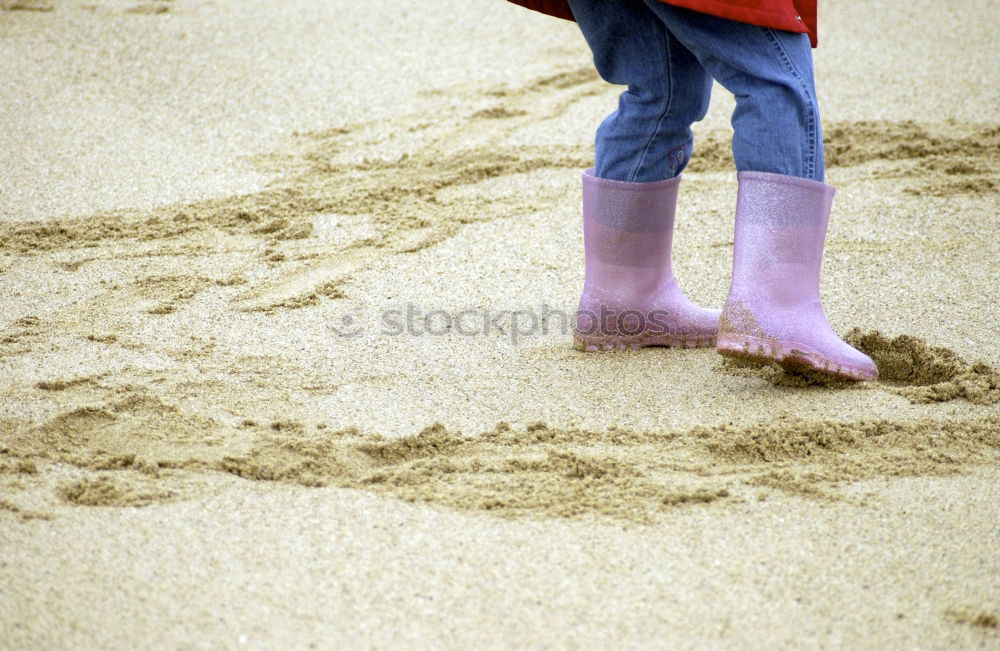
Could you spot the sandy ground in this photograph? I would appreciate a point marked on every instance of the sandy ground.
(231, 416)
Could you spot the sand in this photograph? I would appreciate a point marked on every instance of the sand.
(285, 362)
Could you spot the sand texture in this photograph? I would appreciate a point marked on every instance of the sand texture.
(285, 361)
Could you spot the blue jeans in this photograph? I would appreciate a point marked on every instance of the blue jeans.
(668, 56)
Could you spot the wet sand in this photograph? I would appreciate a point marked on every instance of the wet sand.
(285, 361)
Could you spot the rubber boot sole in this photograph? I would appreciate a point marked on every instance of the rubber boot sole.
(594, 344)
(790, 356)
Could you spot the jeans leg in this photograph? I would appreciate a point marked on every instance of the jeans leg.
(649, 137)
(776, 121)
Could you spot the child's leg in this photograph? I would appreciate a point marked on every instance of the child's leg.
(629, 296)
(770, 72)
(773, 310)
(649, 137)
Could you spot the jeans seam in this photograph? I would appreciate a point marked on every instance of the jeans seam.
(779, 50)
(666, 109)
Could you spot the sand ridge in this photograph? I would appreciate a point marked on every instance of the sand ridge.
(546, 472)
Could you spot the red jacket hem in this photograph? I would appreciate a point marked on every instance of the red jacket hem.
(788, 15)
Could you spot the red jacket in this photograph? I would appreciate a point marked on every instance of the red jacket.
(788, 15)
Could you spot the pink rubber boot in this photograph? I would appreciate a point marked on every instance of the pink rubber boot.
(773, 311)
(630, 299)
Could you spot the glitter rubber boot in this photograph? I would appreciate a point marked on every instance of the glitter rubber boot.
(630, 299)
(773, 312)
